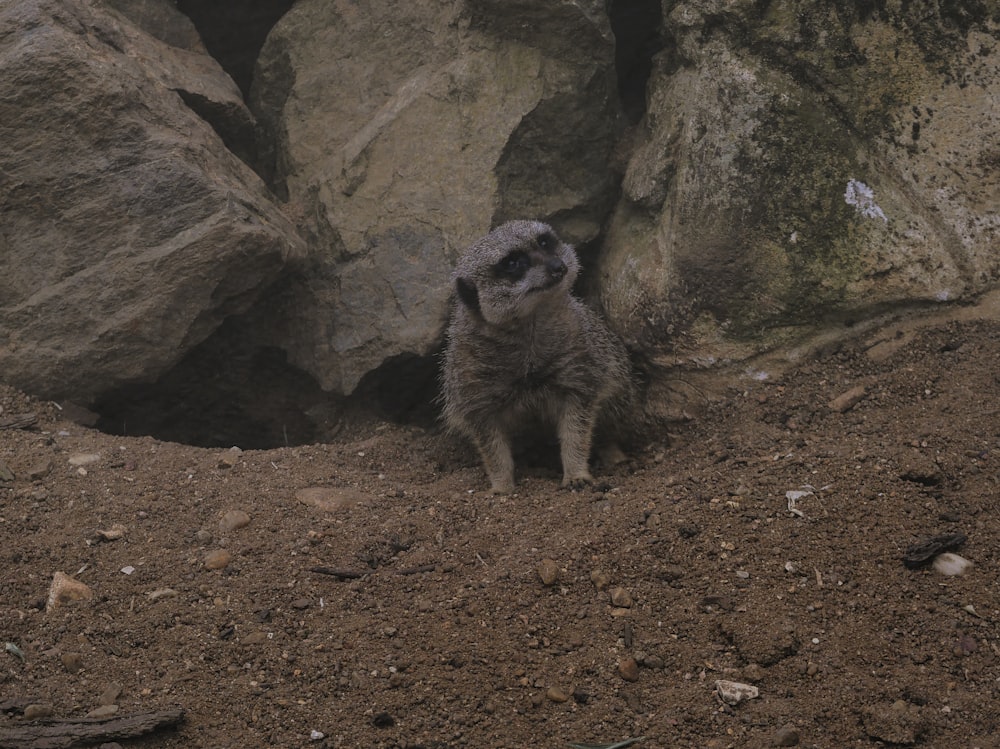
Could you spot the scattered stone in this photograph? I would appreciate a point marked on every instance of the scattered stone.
(203, 537)
(621, 598)
(72, 662)
(652, 661)
(924, 551)
(5, 473)
(951, 564)
(787, 735)
(383, 720)
(600, 579)
(104, 711)
(113, 533)
(555, 694)
(233, 520)
(255, 638)
(40, 470)
(301, 603)
(37, 711)
(628, 669)
(548, 571)
(734, 692)
(155, 595)
(64, 588)
(315, 735)
(78, 460)
(846, 401)
(127, 569)
(919, 468)
(218, 559)
(329, 498)
(110, 694)
(230, 458)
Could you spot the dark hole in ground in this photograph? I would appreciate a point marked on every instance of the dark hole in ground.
(228, 392)
(234, 32)
(636, 25)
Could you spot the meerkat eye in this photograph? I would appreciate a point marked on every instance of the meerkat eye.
(546, 241)
(513, 266)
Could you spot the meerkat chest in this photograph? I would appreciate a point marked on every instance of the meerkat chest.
(548, 365)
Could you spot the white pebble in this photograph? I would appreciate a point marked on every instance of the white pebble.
(951, 564)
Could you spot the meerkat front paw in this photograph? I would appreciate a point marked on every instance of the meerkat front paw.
(502, 487)
(578, 483)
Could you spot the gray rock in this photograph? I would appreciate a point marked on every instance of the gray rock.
(432, 122)
(766, 197)
(130, 230)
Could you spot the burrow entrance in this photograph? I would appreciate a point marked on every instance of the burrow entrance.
(228, 392)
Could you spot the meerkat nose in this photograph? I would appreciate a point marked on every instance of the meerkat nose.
(555, 267)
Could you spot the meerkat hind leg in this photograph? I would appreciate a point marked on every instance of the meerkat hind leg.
(575, 433)
(498, 459)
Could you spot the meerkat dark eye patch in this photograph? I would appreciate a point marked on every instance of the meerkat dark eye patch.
(467, 293)
(513, 266)
(546, 241)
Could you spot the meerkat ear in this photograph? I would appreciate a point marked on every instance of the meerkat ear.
(468, 293)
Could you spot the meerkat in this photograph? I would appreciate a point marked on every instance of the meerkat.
(521, 347)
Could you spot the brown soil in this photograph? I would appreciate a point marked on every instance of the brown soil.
(686, 559)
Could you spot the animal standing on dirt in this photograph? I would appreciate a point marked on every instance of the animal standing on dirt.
(522, 348)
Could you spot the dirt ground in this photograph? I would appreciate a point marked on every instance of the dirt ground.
(398, 604)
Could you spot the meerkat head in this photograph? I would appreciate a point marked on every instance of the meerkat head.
(517, 267)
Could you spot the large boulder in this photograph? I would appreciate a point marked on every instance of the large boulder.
(400, 131)
(128, 230)
(808, 165)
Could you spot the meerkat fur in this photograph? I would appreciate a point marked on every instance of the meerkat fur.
(520, 347)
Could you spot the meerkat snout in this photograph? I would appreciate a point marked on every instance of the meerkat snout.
(522, 347)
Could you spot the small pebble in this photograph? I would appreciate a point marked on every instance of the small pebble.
(787, 735)
(548, 571)
(37, 711)
(155, 595)
(72, 662)
(229, 458)
(113, 533)
(40, 471)
(628, 669)
(951, 564)
(329, 498)
(110, 694)
(203, 537)
(83, 459)
(555, 694)
(653, 661)
(218, 559)
(733, 692)
(621, 598)
(600, 579)
(64, 588)
(233, 520)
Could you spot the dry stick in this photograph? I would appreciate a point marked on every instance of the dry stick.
(71, 733)
(18, 421)
(336, 572)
